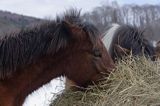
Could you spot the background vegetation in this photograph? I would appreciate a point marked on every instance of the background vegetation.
(10, 22)
(145, 17)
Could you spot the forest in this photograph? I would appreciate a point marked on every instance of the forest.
(146, 17)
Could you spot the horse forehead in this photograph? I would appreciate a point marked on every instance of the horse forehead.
(109, 35)
(151, 44)
(157, 43)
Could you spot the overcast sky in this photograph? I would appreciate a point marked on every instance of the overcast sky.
(49, 8)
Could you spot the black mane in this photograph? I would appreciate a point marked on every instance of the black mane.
(132, 38)
(25, 46)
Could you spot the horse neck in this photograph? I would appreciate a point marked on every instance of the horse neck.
(109, 37)
(29, 78)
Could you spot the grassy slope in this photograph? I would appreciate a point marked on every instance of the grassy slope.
(11, 22)
(5, 25)
(135, 82)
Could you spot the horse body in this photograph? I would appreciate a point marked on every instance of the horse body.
(125, 39)
(14, 89)
(65, 47)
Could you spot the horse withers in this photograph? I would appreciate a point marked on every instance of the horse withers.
(32, 57)
(122, 40)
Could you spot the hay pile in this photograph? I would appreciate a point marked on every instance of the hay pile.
(135, 82)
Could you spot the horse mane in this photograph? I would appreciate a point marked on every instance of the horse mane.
(27, 45)
(132, 38)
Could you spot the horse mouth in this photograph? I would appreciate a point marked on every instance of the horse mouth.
(102, 68)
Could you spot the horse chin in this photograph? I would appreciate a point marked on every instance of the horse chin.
(70, 84)
(101, 68)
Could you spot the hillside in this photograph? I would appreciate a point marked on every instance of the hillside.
(11, 21)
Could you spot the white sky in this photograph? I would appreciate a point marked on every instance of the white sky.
(49, 8)
(45, 8)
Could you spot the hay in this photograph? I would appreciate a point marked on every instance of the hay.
(135, 82)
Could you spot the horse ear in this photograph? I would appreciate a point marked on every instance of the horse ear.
(67, 24)
(74, 30)
(121, 51)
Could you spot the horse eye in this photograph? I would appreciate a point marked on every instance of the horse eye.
(97, 53)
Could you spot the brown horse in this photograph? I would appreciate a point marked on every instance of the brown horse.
(32, 57)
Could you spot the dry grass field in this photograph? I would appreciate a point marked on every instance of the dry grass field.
(134, 82)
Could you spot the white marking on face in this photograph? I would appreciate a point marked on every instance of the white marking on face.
(109, 35)
(154, 43)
